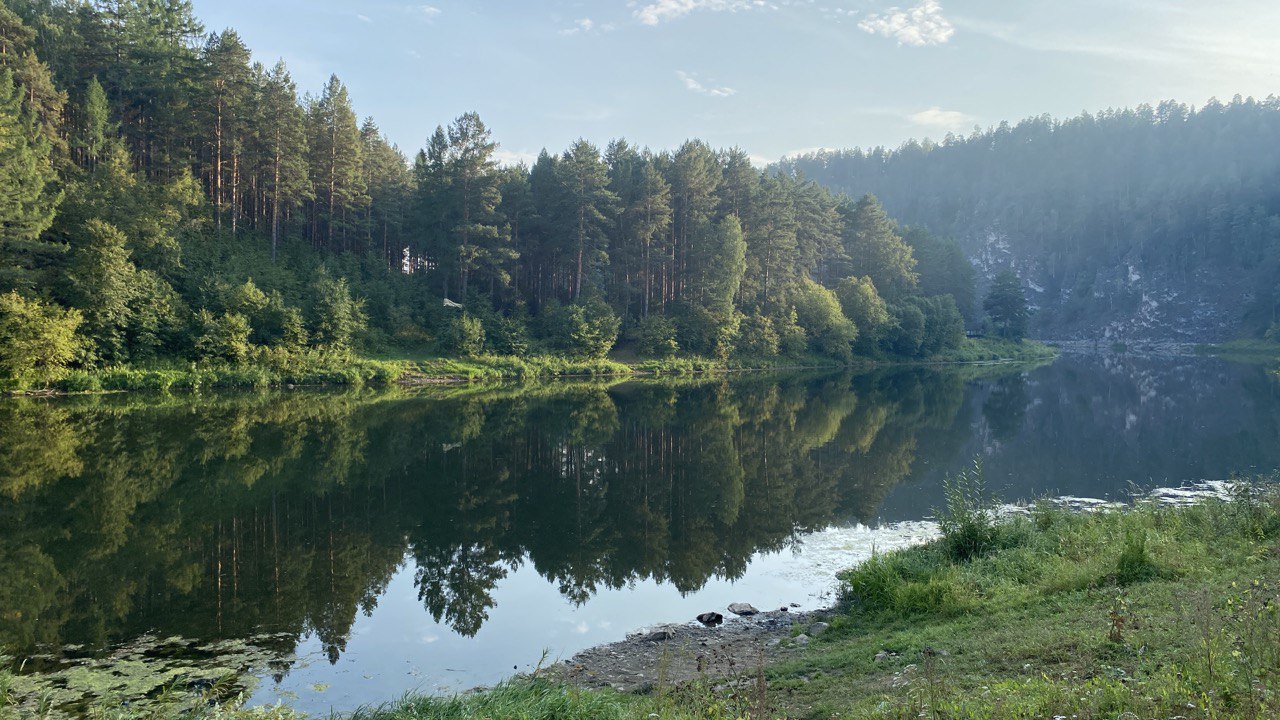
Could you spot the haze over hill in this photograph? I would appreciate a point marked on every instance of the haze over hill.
(1146, 223)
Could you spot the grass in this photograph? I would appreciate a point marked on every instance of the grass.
(1151, 612)
(974, 350)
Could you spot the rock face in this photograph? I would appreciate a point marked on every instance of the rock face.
(743, 609)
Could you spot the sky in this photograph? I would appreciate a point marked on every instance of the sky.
(774, 77)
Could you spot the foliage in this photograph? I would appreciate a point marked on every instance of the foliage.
(1006, 306)
(655, 336)
(464, 336)
(222, 337)
(583, 330)
(829, 331)
(37, 341)
(968, 522)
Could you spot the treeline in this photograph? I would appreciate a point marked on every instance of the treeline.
(168, 198)
(1101, 212)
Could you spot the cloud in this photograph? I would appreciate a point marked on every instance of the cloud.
(661, 10)
(919, 26)
(586, 25)
(364, 18)
(943, 120)
(429, 11)
(692, 84)
(511, 158)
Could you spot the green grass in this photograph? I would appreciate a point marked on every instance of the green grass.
(1152, 612)
(997, 350)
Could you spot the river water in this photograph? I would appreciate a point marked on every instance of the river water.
(329, 550)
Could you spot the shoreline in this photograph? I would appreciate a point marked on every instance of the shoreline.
(357, 371)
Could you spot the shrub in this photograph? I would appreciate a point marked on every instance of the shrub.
(224, 337)
(507, 336)
(968, 522)
(464, 336)
(584, 330)
(818, 312)
(37, 341)
(756, 336)
(655, 336)
(1134, 565)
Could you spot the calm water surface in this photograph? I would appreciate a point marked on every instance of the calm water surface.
(331, 550)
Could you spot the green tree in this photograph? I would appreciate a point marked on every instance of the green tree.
(284, 138)
(719, 265)
(337, 316)
(222, 337)
(479, 235)
(100, 281)
(863, 305)
(337, 175)
(874, 248)
(28, 198)
(586, 210)
(818, 312)
(37, 341)
(1006, 306)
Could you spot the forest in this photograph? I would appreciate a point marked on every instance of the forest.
(168, 199)
(1156, 221)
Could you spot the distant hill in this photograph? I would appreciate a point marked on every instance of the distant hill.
(1153, 222)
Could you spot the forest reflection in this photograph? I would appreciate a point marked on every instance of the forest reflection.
(225, 516)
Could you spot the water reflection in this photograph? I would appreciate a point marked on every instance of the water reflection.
(227, 516)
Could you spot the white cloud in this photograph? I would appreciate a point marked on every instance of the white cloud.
(586, 25)
(430, 11)
(511, 158)
(918, 26)
(364, 19)
(692, 83)
(943, 120)
(659, 10)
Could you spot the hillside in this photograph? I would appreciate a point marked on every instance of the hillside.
(1147, 223)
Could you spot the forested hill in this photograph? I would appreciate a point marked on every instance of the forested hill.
(1154, 222)
(165, 198)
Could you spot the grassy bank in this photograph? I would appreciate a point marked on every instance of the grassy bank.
(268, 368)
(974, 350)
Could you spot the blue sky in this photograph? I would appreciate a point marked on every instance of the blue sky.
(771, 76)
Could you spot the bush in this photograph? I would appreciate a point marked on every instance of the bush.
(224, 337)
(463, 336)
(337, 317)
(37, 341)
(818, 312)
(582, 330)
(792, 339)
(968, 522)
(1134, 565)
(756, 337)
(655, 336)
(507, 336)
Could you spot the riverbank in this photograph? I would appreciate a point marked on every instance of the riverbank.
(1156, 610)
(325, 369)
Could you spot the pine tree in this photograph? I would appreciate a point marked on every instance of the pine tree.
(286, 180)
(28, 201)
(1006, 306)
(875, 250)
(89, 134)
(227, 61)
(336, 166)
(480, 238)
(588, 209)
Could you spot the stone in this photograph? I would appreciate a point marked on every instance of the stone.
(743, 609)
(885, 655)
(659, 635)
(818, 628)
(711, 619)
(801, 640)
